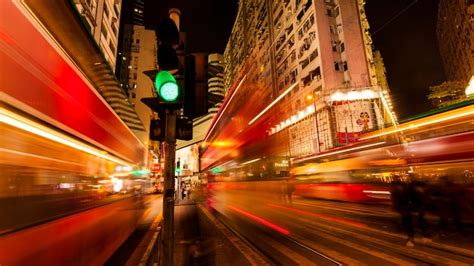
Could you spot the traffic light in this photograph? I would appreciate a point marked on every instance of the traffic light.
(167, 88)
(168, 36)
(157, 130)
(170, 83)
(190, 86)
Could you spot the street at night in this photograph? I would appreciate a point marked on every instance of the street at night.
(237, 132)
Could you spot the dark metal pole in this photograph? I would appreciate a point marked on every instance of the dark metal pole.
(168, 195)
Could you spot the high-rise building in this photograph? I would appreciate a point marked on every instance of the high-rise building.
(132, 15)
(215, 82)
(103, 20)
(315, 58)
(455, 34)
(142, 58)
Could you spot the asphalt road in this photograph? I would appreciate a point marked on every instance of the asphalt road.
(132, 250)
(310, 231)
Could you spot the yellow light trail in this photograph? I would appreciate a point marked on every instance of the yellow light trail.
(463, 112)
(28, 125)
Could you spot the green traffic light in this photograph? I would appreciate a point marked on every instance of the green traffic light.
(166, 86)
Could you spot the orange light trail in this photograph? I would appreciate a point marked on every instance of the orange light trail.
(469, 110)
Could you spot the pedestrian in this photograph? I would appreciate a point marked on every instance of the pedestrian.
(183, 192)
(188, 192)
(290, 188)
(401, 203)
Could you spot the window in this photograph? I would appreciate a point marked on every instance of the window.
(336, 66)
(342, 47)
(313, 55)
(116, 10)
(103, 30)
(336, 12)
(329, 12)
(106, 11)
(114, 29)
(344, 66)
(334, 46)
(112, 47)
(293, 56)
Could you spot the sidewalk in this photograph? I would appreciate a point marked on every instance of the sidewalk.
(201, 240)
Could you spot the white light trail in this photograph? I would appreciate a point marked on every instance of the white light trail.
(251, 161)
(273, 103)
(376, 192)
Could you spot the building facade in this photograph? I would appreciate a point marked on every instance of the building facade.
(455, 34)
(142, 58)
(315, 58)
(132, 15)
(103, 21)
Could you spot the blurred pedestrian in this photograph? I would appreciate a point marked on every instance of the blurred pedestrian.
(290, 188)
(399, 194)
(449, 199)
(188, 191)
(183, 192)
(417, 194)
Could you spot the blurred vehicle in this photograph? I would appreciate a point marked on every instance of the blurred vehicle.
(63, 143)
(425, 149)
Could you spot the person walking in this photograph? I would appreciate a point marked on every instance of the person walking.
(401, 202)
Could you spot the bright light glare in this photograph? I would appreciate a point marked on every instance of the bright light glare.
(293, 119)
(169, 91)
(353, 95)
(470, 87)
(20, 122)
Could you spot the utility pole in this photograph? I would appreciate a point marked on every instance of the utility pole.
(168, 199)
(168, 103)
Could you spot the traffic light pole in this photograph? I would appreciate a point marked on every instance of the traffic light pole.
(168, 195)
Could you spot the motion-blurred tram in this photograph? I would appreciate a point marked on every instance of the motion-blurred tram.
(430, 148)
(426, 149)
(67, 189)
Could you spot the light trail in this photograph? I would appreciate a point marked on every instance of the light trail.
(322, 216)
(272, 103)
(261, 221)
(425, 122)
(340, 151)
(28, 125)
(225, 107)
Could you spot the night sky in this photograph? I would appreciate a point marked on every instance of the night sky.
(407, 43)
